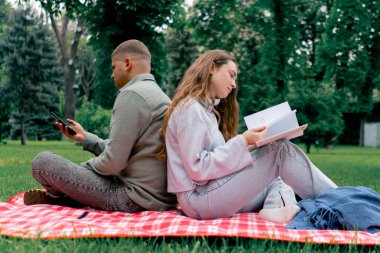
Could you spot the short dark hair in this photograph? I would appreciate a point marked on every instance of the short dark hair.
(134, 48)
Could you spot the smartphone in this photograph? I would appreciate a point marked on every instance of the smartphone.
(65, 123)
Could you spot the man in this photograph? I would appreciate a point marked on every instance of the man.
(125, 175)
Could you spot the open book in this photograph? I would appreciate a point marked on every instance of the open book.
(281, 122)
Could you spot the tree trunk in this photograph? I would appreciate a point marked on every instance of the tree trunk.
(70, 96)
(22, 131)
(279, 20)
(68, 57)
(363, 120)
(308, 145)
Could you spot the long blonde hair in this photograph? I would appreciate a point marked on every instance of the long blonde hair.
(196, 84)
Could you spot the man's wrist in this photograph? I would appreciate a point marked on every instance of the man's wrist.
(81, 138)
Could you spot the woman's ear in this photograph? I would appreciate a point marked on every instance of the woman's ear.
(213, 69)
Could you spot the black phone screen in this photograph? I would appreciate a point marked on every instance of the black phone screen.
(64, 122)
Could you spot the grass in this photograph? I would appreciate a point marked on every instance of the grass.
(15, 162)
(346, 165)
(350, 165)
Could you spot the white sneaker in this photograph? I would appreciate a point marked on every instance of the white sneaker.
(279, 215)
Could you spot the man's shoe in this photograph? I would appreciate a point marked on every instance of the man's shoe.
(35, 197)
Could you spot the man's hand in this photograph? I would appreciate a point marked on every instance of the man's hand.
(253, 135)
(76, 127)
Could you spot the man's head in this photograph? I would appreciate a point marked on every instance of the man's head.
(129, 59)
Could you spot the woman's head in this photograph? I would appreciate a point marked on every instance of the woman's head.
(223, 78)
(212, 76)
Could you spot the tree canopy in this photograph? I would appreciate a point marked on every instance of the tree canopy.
(33, 76)
(322, 56)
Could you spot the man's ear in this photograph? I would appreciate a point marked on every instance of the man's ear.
(128, 63)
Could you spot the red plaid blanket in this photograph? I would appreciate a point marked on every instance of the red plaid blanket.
(48, 221)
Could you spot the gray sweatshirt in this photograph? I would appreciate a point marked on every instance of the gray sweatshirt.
(129, 153)
(197, 151)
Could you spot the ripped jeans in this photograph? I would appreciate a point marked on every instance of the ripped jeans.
(258, 185)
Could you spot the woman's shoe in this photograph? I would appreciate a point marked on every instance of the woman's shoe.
(280, 215)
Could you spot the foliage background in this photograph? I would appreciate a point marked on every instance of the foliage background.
(322, 56)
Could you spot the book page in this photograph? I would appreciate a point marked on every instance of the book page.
(266, 116)
(284, 123)
(280, 120)
(293, 133)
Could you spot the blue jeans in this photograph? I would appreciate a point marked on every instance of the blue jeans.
(248, 189)
(61, 177)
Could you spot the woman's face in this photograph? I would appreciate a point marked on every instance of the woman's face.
(223, 79)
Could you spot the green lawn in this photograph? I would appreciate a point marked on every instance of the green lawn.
(346, 165)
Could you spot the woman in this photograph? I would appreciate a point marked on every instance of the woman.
(210, 167)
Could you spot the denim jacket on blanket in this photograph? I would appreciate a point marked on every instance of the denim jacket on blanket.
(349, 208)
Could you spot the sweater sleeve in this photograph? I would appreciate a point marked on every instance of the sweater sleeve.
(196, 138)
(130, 117)
(94, 144)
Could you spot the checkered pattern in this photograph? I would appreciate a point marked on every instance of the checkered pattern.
(48, 221)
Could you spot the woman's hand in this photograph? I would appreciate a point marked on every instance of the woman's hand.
(253, 135)
(76, 127)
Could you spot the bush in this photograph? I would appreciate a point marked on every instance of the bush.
(94, 118)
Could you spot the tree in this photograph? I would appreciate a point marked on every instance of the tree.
(318, 106)
(32, 73)
(260, 34)
(213, 24)
(86, 72)
(274, 24)
(5, 110)
(70, 22)
(181, 52)
(274, 43)
(372, 79)
(94, 118)
(265, 41)
(349, 54)
(5, 9)
(111, 22)
(313, 97)
(225, 25)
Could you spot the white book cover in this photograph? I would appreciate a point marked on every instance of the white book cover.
(281, 122)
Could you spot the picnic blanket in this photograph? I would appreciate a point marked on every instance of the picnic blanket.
(49, 221)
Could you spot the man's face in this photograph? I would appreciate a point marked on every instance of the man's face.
(119, 73)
